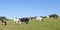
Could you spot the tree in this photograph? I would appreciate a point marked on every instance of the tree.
(45, 17)
(2, 17)
(55, 16)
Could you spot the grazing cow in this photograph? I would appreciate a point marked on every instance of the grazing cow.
(19, 20)
(4, 22)
(39, 18)
(26, 20)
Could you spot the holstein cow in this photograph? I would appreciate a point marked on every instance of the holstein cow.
(39, 18)
(19, 20)
(4, 22)
(26, 20)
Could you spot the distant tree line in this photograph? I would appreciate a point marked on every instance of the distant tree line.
(55, 16)
(3, 18)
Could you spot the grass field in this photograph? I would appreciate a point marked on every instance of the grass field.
(47, 24)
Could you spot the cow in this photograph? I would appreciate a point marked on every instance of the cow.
(39, 18)
(4, 22)
(26, 20)
(20, 20)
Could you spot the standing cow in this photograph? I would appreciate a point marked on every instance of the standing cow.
(4, 22)
(26, 20)
(19, 20)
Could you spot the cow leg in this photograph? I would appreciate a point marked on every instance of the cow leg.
(42, 19)
(26, 22)
(5, 23)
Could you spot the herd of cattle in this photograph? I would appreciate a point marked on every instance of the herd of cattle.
(26, 20)
(20, 20)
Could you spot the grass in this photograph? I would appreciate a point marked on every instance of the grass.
(47, 24)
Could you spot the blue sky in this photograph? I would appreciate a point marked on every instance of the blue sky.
(27, 8)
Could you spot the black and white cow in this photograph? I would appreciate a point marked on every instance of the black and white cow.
(19, 20)
(4, 22)
(26, 20)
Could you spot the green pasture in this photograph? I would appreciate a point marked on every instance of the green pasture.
(47, 24)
